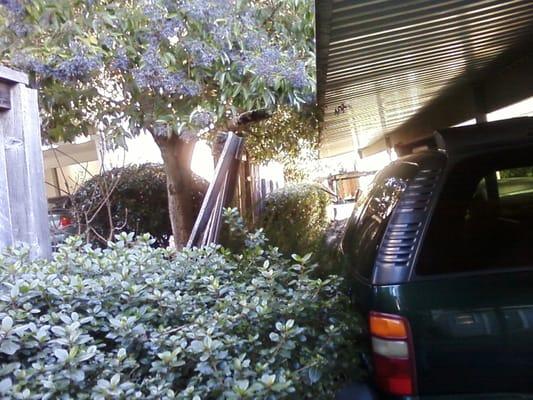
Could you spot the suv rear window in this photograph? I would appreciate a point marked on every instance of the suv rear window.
(483, 220)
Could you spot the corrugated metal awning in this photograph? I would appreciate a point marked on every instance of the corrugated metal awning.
(400, 69)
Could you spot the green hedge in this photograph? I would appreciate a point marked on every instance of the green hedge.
(134, 321)
(138, 201)
(327, 255)
(294, 217)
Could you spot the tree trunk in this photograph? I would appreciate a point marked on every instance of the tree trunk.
(177, 155)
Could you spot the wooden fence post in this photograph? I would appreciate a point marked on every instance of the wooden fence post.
(23, 206)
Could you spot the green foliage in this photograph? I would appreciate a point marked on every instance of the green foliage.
(302, 167)
(133, 321)
(233, 231)
(137, 199)
(517, 172)
(294, 217)
(282, 137)
(327, 254)
(168, 67)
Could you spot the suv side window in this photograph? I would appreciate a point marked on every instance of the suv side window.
(483, 221)
(366, 226)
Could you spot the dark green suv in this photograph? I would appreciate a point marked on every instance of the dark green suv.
(439, 259)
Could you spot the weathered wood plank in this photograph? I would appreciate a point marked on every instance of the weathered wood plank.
(37, 204)
(229, 152)
(6, 233)
(23, 207)
(216, 215)
(5, 96)
(16, 168)
(256, 191)
(11, 75)
(232, 178)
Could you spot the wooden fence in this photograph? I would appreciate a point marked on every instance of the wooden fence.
(23, 206)
(251, 190)
(236, 182)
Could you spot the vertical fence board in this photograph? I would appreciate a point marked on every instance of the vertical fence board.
(16, 168)
(6, 231)
(256, 191)
(239, 198)
(247, 190)
(23, 206)
(38, 208)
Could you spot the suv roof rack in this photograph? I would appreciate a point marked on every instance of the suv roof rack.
(482, 136)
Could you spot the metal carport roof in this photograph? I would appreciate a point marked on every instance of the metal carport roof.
(390, 70)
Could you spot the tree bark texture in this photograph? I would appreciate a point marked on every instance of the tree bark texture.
(177, 155)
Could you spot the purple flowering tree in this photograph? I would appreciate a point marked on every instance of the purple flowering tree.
(177, 69)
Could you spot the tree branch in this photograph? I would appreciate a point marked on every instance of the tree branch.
(249, 117)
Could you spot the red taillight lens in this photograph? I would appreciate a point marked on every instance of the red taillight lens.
(394, 376)
(64, 221)
(393, 354)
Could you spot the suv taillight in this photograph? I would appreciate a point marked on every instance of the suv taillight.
(393, 354)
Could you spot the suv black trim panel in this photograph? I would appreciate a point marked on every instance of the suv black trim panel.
(398, 248)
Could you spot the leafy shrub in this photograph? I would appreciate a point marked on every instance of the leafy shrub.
(294, 217)
(328, 254)
(133, 321)
(138, 202)
(233, 232)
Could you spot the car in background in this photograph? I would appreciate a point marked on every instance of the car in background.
(439, 260)
(61, 221)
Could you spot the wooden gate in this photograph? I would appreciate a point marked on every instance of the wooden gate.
(23, 207)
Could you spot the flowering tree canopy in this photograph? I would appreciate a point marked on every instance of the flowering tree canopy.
(170, 67)
(176, 69)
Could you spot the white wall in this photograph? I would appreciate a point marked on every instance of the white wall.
(139, 150)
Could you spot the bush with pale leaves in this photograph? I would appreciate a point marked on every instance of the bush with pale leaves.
(133, 321)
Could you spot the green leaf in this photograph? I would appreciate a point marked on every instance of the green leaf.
(115, 379)
(268, 380)
(306, 258)
(7, 323)
(197, 346)
(9, 347)
(241, 386)
(314, 375)
(61, 355)
(5, 385)
(274, 337)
